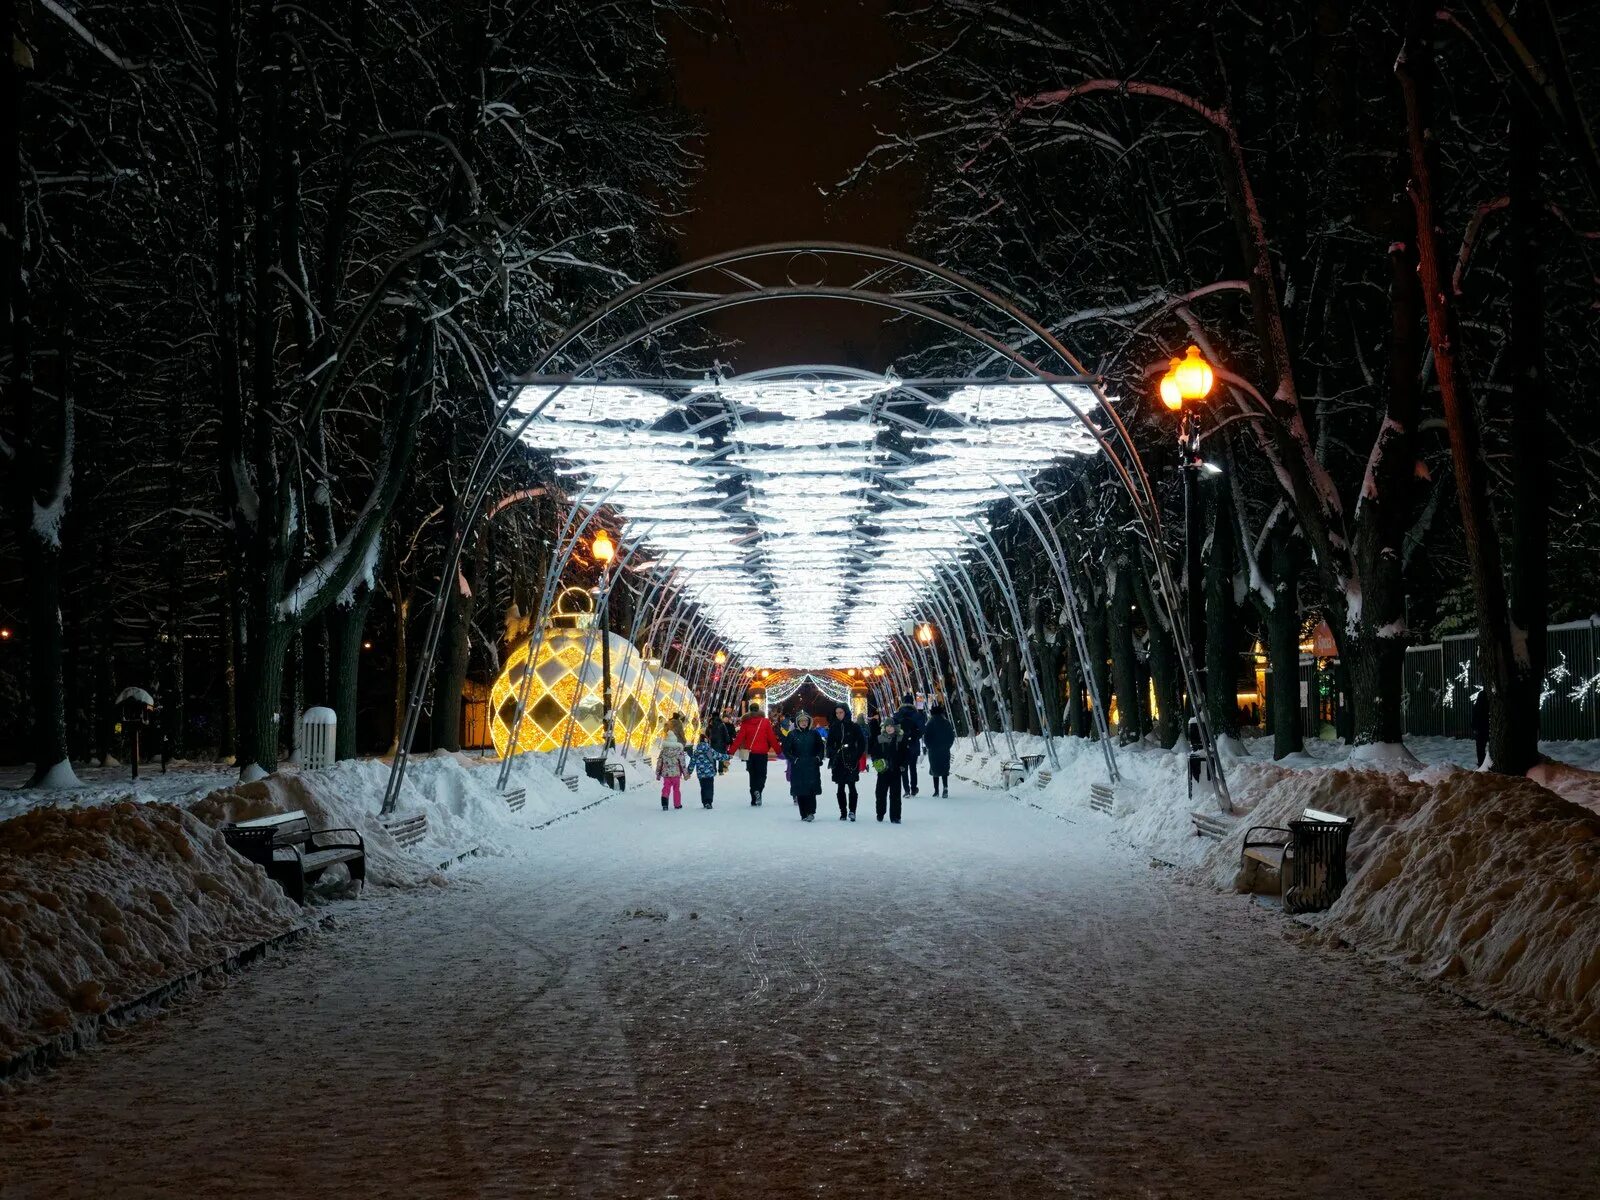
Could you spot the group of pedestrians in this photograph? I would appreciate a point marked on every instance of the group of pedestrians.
(888, 747)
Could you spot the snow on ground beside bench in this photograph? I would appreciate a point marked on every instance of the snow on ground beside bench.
(99, 905)
(1487, 883)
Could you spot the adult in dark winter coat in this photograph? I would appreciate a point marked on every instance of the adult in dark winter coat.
(939, 736)
(1480, 722)
(846, 746)
(757, 740)
(888, 752)
(720, 734)
(911, 722)
(804, 750)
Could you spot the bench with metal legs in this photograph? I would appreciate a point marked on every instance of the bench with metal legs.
(1307, 858)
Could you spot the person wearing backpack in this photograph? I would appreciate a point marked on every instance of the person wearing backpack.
(910, 721)
(707, 761)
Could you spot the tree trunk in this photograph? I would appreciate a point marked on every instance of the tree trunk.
(1222, 615)
(455, 640)
(40, 458)
(402, 651)
(1530, 512)
(346, 626)
(1513, 727)
(228, 747)
(1283, 643)
(1373, 643)
(1165, 671)
(1124, 658)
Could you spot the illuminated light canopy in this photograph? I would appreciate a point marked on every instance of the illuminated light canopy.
(799, 534)
(803, 399)
(1019, 401)
(585, 402)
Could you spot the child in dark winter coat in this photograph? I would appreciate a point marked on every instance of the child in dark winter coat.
(707, 761)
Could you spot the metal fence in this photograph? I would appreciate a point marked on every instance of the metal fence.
(1442, 678)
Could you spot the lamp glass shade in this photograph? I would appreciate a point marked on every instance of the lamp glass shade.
(1171, 393)
(603, 547)
(1195, 375)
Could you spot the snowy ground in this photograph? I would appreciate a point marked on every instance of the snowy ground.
(108, 895)
(987, 1000)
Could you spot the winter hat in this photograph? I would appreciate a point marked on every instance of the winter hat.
(906, 699)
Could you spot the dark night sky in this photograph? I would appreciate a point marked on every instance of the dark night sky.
(780, 92)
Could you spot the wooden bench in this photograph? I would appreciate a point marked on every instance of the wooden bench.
(1101, 797)
(407, 829)
(1308, 859)
(1042, 778)
(516, 799)
(571, 782)
(293, 853)
(1213, 825)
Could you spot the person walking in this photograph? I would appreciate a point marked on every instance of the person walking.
(754, 741)
(888, 750)
(723, 733)
(847, 746)
(804, 751)
(908, 717)
(1480, 722)
(939, 736)
(671, 765)
(784, 728)
(707, 761)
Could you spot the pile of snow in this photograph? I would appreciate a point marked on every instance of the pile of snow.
(1492, 884)
(100, 905)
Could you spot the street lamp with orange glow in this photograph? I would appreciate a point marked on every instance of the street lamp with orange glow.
(1184, 387)
(604, 551)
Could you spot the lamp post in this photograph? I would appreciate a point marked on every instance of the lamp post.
(1186, 383)
(604, 551)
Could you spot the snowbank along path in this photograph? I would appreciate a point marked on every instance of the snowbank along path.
(986, 1000)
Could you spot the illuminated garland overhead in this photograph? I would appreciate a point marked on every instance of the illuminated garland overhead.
(781, 692)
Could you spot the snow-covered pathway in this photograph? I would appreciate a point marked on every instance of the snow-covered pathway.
(985, 1000)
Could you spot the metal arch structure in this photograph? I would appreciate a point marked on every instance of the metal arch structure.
(602, 347)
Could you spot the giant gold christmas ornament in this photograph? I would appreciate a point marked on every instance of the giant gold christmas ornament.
(567, 690)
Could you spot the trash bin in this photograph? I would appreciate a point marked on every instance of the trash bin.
(1313, 870)
(318, 730)
(595, 768)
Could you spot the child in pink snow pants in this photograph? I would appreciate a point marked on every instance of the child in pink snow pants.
(671, 764)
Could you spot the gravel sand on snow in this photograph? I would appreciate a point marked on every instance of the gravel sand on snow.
(982, 1001)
